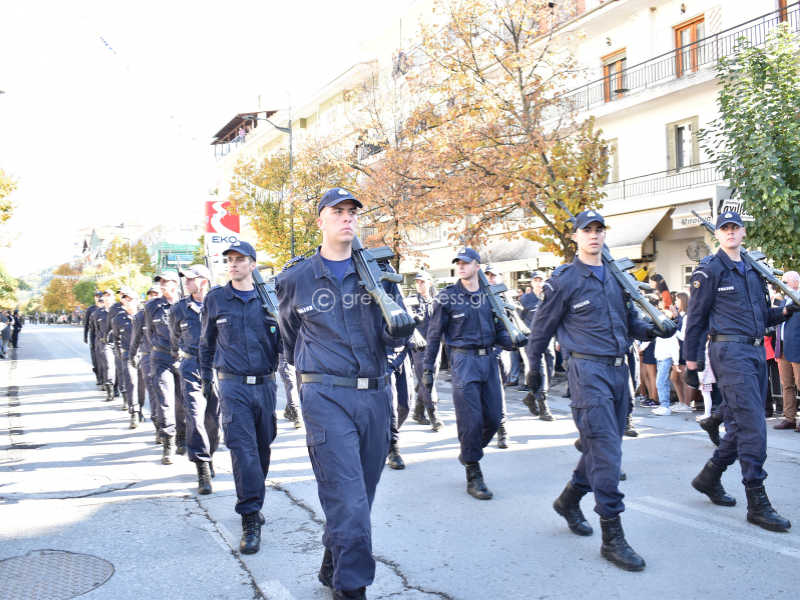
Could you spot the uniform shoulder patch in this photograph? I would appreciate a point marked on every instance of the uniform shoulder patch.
(561, 269)
(292, 263)
(696, 283)
(707, 259)
(214, 289)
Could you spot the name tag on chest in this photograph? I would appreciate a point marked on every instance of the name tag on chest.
(728, 288)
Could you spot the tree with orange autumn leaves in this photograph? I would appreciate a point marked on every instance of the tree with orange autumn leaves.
(458, 134)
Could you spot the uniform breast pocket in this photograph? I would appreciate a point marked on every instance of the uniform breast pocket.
(270, 330)
(459, 322)
(584, 309)
(185, 326)
(226, 329)
(313, 319)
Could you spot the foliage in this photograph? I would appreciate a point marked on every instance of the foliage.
(486, 80)
(117, 254)
(7, 185)
(84, 292)
(59, 295)
(33, 305)
(759, 156)
(109, 276)
(199, 256)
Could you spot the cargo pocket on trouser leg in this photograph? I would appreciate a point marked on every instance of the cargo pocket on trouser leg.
(320, 455)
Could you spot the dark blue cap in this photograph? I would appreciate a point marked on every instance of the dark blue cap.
(335, 196)
(242, 248)
(586, 217)
(729, 217)
(99, 294)
(467, 255)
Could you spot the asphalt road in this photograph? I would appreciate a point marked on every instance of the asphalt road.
(73, 477)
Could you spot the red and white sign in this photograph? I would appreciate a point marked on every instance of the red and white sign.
(219, 220)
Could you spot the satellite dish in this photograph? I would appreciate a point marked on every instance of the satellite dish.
(697, 250)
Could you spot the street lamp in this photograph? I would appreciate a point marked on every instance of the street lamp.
(291, 206)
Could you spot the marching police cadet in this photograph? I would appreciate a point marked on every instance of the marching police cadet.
(584, 304)
(536, 399)
(427, 400)
(104, 350)
(88, 333)
(164, 368)
(494, 276)
(402, 383)
(334, 333)
(462, 314)
(291, 383)
(139, 357)
(122, 327)
(202, 416)
(119, 375)
(242, 342)
(730, 303)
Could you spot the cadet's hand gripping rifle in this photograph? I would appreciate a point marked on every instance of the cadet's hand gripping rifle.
(399, 323)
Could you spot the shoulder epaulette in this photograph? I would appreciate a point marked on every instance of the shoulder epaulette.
(707, 259)
(213, 289)
(292, 262)
(561, 269)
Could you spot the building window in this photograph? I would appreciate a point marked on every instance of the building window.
(690, 51)
(612, 169)
(683, 149)
(614, 76)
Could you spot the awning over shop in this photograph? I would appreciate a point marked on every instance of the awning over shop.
(683, 218)
(520, 254)
(627, 233)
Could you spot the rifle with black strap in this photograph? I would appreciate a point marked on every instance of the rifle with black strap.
(266, 293)
(498, 306)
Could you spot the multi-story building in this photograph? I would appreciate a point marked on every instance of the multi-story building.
(648, 78)
(171, 245)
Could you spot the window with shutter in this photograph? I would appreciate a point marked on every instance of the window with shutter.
(614, 75)
(691, 51)
(683, 149)
(612, 169)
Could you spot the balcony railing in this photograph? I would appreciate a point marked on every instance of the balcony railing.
(226, 148)
(700, 55)
(665, 181)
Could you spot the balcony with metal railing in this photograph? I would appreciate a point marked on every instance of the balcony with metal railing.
(674, 65)
(665, 181)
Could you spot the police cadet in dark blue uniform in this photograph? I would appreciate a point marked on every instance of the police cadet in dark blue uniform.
(139, 357)
(584, 304)
(88, 333)
(730, 303)
(427, 400)
(464, 317)
(122, 327)
(104, 350)
(241, 341)
(202, 416)
(164, 368)
(402, 383)
(536, 399)
(119, 373)
(334, 333)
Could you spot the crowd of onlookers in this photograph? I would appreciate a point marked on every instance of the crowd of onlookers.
(10, 326)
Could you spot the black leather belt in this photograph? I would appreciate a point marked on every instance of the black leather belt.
(605, 360)
(161, 350)
(360, 383)
(246, 379)
(472, 351)
(739, 339)
(182, 354)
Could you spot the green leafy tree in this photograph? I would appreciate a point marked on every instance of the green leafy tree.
(84, 292)
(199, 256)
(755, 142)
(118, 254)
(59, 295)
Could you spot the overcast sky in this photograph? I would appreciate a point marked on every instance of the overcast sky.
(110, 107)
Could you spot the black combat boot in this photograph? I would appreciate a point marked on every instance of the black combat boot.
(502, 436)
(711, 426)
(419, 414)
(394, 459)
(544, 411)
(475, 485)
(203, 478)
(116, 391)
(709, 482)
(298, 422)
(530, 401)
(124, 401)
(616, 549)
(251, 534)
(623, 476)
(158, 439)
(134, 420)
(568, 505)
(359, 594)
(761, 513)
(579, 445)
(180, 443)
(169, 448)
(109, 392)
(630, 428)
(212, 471)
(288, 413)
(326, 569)
(433, 415)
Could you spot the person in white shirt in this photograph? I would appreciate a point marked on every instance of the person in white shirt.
(667, 353)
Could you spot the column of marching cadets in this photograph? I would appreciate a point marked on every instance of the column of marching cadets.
(208, 362)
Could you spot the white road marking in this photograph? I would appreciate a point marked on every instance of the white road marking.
(274, 590)
(718, 531)
(708, 516)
